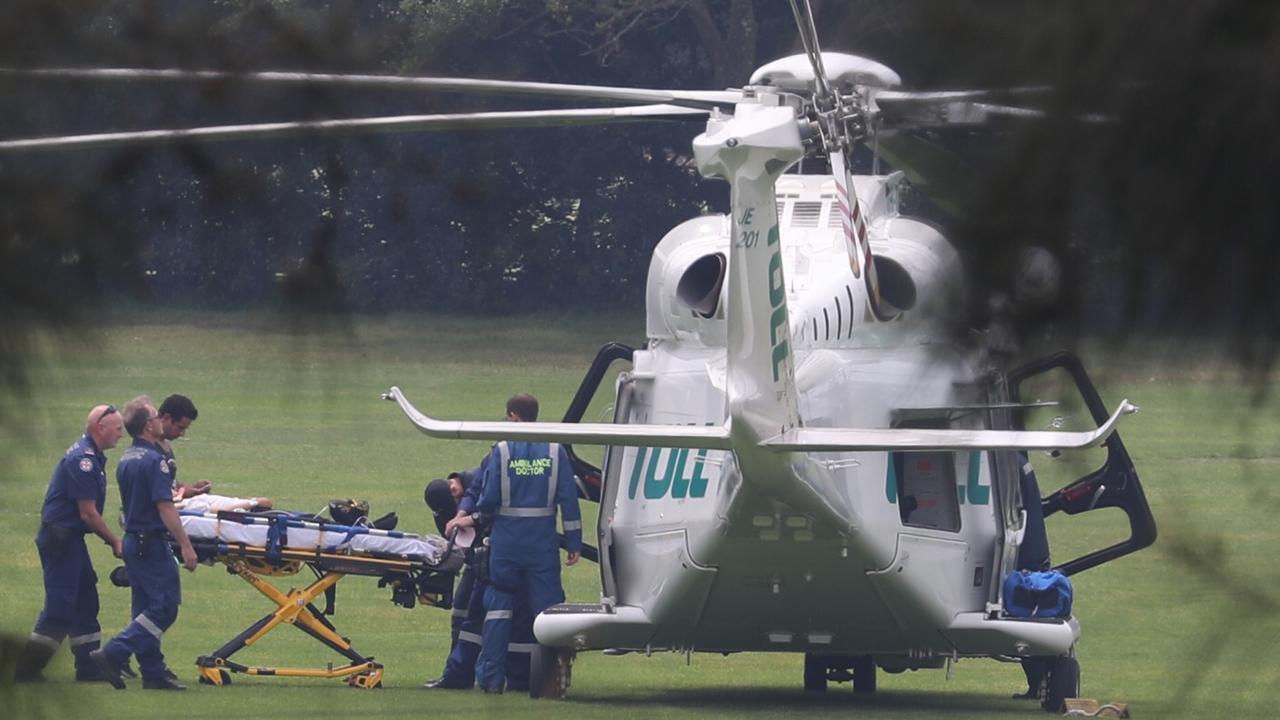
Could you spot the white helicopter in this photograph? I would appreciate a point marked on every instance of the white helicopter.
(803, 458)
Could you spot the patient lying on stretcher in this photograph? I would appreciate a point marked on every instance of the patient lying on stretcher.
(208, 502)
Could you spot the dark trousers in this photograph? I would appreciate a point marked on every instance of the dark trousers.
(519, 589)
(157, 592)
(460, 668)
(461, 600)
(70, 594)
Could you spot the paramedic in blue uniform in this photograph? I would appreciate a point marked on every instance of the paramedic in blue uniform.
(468, 599)
(146, 492)
(177, 412)
(72, 509)
(523, 484)
(445, 498)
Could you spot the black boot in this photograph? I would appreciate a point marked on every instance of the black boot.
(164, 682)
(86, 669)
(109, 668)
(35, 656)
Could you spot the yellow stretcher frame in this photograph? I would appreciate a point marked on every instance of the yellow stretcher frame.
(296, 608)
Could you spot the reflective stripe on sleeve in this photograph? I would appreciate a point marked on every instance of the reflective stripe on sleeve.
(497, 615)
(526, 512)
(572, 525)
(84, 639)
(1027, 469)
(521, 647)
(504, 455)
(459, 611)
(468, 637)
(554, 449)
(149, 626)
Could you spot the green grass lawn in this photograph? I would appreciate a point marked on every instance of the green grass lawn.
(1188, 627)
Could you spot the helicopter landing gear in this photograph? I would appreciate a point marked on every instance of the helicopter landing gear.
(818, 669)
(1061, 681)
(864, 674)
(815, 673)
(550, 672)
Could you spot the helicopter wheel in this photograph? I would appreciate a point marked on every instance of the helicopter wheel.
(815, 673)
(864, 674)
(550, 672)
(1063, 682)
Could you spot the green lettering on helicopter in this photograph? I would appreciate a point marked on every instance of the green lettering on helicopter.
(978, 493)
(672, 481)
(777, 294)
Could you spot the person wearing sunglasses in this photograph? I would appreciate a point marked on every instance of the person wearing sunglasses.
(146, 494)
(72, 509)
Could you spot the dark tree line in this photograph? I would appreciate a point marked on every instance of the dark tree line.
(1161, 216)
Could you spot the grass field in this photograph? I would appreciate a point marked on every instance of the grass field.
(1189, 627)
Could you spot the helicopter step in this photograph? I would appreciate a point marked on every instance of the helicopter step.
(585, 625)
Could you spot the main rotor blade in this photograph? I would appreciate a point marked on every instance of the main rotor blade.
(898, 109)
(360, 126)
(905, 109)
(937, 172)
(689, 98)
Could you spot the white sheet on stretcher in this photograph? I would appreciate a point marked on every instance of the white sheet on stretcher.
(423, 548)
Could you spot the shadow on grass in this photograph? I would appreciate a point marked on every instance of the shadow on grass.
(28, 700)
(781, 702)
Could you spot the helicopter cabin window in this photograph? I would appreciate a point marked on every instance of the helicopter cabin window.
(926, 485)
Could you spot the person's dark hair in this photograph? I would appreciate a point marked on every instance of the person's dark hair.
(440, 500)
(178, 407)
(136, 415)
(524, 405)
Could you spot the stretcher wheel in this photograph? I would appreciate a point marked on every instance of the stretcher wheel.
(815, 673)
(214, 676)
(371, 680)
(550, 672)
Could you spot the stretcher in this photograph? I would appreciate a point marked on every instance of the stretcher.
(417, 568)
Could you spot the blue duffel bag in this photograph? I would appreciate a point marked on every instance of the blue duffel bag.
(1037, 594)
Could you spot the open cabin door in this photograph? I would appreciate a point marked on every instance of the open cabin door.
(1113, 483)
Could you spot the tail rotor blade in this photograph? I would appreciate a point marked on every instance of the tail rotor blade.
(809, 38)
(861, 261)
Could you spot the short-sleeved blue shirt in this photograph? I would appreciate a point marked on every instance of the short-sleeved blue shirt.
(81, 474)
(143, 476)
(166, 450)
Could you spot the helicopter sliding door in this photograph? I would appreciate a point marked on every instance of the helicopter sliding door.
(1111, 483)
(609, 494)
